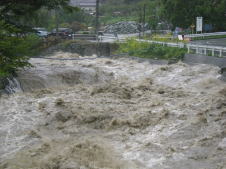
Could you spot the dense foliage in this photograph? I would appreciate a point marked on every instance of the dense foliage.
(49, 19)
(153, 51)
(131, 10)
(174, 13)
(15, 48)
(183, 13)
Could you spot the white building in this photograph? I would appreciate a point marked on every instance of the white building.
(87, 5)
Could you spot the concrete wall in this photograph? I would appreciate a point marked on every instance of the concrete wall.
(197, 58)
(201, 59)
(83, 48)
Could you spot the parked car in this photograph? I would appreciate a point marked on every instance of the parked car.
(62, 32)
(41, 32)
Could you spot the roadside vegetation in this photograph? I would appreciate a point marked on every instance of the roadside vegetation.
(152, 51)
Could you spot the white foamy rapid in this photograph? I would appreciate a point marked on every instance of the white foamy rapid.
(13, 86)
(114, 113)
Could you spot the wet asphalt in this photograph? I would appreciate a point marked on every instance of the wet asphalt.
(211, 42)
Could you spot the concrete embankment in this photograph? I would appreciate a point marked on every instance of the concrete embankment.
(202, 59)
(193, 59)
(83, 48)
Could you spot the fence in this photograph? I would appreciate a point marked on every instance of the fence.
(207, 50)
(84, 37)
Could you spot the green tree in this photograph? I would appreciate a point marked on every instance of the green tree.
(14, 45)
(14, 50)
(152, 12)
(182, 13)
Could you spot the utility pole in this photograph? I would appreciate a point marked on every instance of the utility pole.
(57, 22)
(144, 18)
(140, 21)
(97, 16)
(97, 26)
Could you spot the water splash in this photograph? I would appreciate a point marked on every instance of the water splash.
(145, 116)
(13, 86)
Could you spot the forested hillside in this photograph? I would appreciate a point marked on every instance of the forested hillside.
(129, 10)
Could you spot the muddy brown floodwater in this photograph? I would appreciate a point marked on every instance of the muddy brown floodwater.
(114, 114)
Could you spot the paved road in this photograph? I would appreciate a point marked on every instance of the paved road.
(211, 42)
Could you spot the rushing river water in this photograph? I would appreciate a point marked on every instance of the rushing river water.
(114, 114)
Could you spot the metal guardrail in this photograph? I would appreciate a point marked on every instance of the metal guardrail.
(207, 50)
(194, 48)
(84, 36)
(111, 37)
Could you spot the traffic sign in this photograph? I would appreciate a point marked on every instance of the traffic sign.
(199, 23)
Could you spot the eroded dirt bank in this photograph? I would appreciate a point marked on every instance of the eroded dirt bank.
(115, 114)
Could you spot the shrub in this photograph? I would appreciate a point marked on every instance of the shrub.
(148, 50)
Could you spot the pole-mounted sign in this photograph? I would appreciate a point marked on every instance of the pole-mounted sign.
(199, 24)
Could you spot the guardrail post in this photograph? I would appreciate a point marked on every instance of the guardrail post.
(205, 51)
(212, 52)
(220, 55)
(188, 49)
(197, 50)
